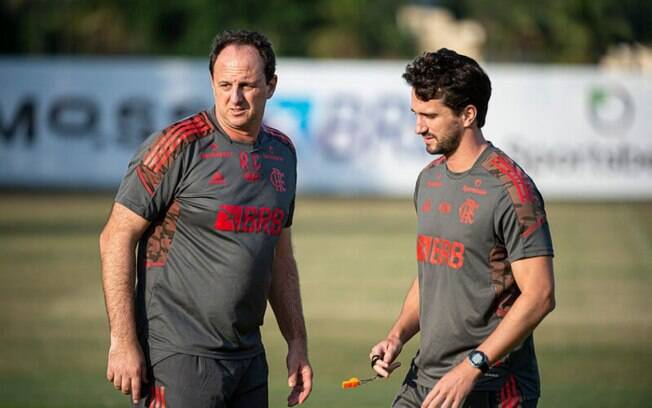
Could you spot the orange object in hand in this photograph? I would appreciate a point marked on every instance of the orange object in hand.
(355, 382)
(351, 383)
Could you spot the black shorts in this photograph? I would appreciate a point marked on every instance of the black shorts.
(411, 395)
(187, 381)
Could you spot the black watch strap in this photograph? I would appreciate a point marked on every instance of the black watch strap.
(479, 360)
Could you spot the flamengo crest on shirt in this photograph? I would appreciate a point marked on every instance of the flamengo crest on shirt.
(467, 211)
(250, 219)
(277, 180)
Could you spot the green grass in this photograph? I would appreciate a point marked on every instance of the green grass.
(356, 262)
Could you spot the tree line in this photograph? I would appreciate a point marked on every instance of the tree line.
(552, 31)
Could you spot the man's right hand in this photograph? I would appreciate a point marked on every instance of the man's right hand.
(126, 368)
(387, 350)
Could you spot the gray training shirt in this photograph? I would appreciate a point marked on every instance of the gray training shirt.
(471, 227)
(217, 208)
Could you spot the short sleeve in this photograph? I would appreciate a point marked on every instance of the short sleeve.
(151, 180)
(290, 219)
(523, 227)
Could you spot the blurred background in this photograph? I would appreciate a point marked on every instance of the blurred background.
(82, 83)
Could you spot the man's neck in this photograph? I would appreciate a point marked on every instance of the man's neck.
(248, 136)
(471, 147)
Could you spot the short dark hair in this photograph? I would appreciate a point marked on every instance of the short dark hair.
(243, 37)
(455, 78)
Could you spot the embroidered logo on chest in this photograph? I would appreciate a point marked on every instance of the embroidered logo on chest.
(216, 153)
(444, 207)
(467, 211)
(427, 205)
(271, 155)
(277, 179)
(217, 178)
(475, 189)
(250, 164)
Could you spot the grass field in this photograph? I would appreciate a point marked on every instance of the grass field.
(356, 262)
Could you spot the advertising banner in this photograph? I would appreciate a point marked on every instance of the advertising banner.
(74, 123)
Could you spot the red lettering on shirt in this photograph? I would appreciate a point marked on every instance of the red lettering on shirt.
(277, 221)
(250, 164)
(435, 183)
(215, 153)
(265, 215)
(250, 224)
(270, 155)
(424, 243)
(440, 251)
(249, 219)
(228, 217)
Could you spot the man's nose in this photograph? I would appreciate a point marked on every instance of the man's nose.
(420, 127)
(236, 94)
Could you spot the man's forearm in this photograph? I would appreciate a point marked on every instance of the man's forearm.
(407, 324)
(118, 279)
(534, 277)
(524, 316)
(285, 299)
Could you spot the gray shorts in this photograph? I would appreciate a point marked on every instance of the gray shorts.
(411, 395)
(187, 381)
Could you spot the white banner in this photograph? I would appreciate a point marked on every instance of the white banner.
(580, 133)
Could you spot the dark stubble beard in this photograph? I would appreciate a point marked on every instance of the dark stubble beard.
(447, 145)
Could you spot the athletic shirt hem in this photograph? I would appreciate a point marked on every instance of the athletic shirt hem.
(160, 352)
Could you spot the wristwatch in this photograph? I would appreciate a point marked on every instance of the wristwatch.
(479, 360)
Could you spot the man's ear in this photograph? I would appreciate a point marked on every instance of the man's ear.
(469, 114)
(271, 86)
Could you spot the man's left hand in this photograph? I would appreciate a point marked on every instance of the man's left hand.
(299, 376)
(453, 388)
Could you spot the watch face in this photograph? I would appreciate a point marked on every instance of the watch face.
(476, 358)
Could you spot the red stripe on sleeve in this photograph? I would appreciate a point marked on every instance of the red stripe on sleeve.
(194, 123)
(516, 177)
(197, 124)
(162, 141)
(143, 181)
(177, 142)
(282, 137)
(183, 135)
(162, 148)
